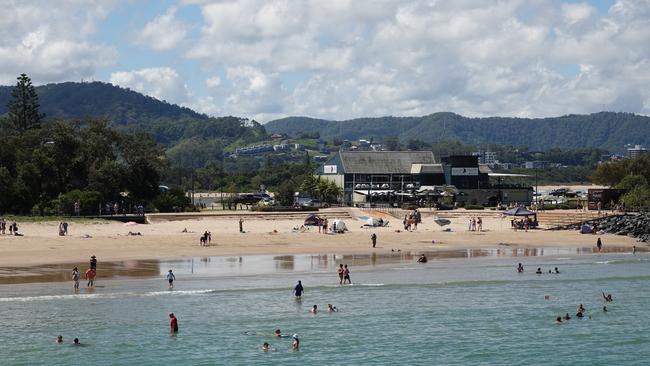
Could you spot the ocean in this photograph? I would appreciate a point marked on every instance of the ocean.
(463, 308)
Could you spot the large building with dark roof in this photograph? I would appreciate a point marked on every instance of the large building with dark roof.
(399, 176)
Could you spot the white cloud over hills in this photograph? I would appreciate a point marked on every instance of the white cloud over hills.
(351, 58)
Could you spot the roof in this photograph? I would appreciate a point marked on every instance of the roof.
(426, 168)
(484, 169)
(383, 162)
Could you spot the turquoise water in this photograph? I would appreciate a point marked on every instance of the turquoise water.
(454, 311)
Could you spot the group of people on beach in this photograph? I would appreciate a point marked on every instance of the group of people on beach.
(90, 274)
(344, 274)
(63, 228)
(475, 224)
(205, 239)
(412, 220)
(12, 226)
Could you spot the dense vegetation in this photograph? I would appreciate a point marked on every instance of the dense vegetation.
(632, 175)
(606, 130)
(47, 168)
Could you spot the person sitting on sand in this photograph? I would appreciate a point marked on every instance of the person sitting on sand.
(422, 259)
(314, 309)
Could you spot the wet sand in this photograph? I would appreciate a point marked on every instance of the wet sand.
(164, 240)
(223, 266)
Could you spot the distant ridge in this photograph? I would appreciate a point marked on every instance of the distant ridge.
(607, 130)
(97, 99)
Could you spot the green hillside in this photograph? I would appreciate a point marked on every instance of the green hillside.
(606, 130)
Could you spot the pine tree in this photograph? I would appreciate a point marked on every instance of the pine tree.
(23, 107)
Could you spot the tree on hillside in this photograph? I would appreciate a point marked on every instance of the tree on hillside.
(23, 108)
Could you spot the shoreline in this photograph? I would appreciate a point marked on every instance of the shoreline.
(214, 266)
(268, 235)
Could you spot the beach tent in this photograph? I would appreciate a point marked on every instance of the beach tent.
(586, 229)
(313, 220)
(340, 226)
(374, 222)
(442, 222)
(519, 211)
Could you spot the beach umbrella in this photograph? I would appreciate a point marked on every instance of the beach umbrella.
(519, 211)
(442, 222)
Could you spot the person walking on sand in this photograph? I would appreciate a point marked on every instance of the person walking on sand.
(373, 237)
(341, 270)
(75, 278)
(173, 324)
(171, 278)
(90, 276)
(241, 225)
(298, 290)
(325, 226)
(599, 245)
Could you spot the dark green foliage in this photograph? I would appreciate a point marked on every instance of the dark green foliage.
(630, 174)
(23, 107)
(605, 130)
(89, 202)
(173, 200)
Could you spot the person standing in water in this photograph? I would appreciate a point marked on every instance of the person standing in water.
(296, 343)
(340, 270)
(90, 276)
(173, 324)
(346, 275)
(75, 278)
(599, 245)
(520, 268)
(633, 249)
(298, 290)
(93, 262)
(171, 278)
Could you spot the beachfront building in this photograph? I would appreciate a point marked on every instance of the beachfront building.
(394, 177)
(636, 151)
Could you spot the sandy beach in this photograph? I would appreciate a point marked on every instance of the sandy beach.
(265, 234)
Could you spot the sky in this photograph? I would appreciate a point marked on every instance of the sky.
(342, 59)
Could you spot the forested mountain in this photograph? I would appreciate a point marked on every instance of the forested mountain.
(605, 130)
(190, 138)
(98, 100)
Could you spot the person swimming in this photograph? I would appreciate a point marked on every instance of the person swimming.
(278, 333)
(558, 320)
(581, 308)
(608, 297)
(566, 316)
(314, 309)
(579, 314)
(76, 342)
(267, 347)
(422, 259)
(557, 271)
(539, 270)
(520, 268)
(59, 339)
(296, 343)
(331, 308)
(605, 308)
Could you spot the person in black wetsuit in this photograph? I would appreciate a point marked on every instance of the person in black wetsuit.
(93, 262)
(298, 290)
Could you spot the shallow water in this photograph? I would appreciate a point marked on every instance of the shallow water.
(448, 311)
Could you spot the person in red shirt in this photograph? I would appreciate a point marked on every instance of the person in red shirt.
(90, 276)
(173, 323)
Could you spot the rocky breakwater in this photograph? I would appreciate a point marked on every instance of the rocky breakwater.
(632, 225)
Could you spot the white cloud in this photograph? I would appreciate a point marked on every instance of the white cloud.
(474, 57)
(213, 82)
(163, 83)
(163, 33)
(52, 43)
